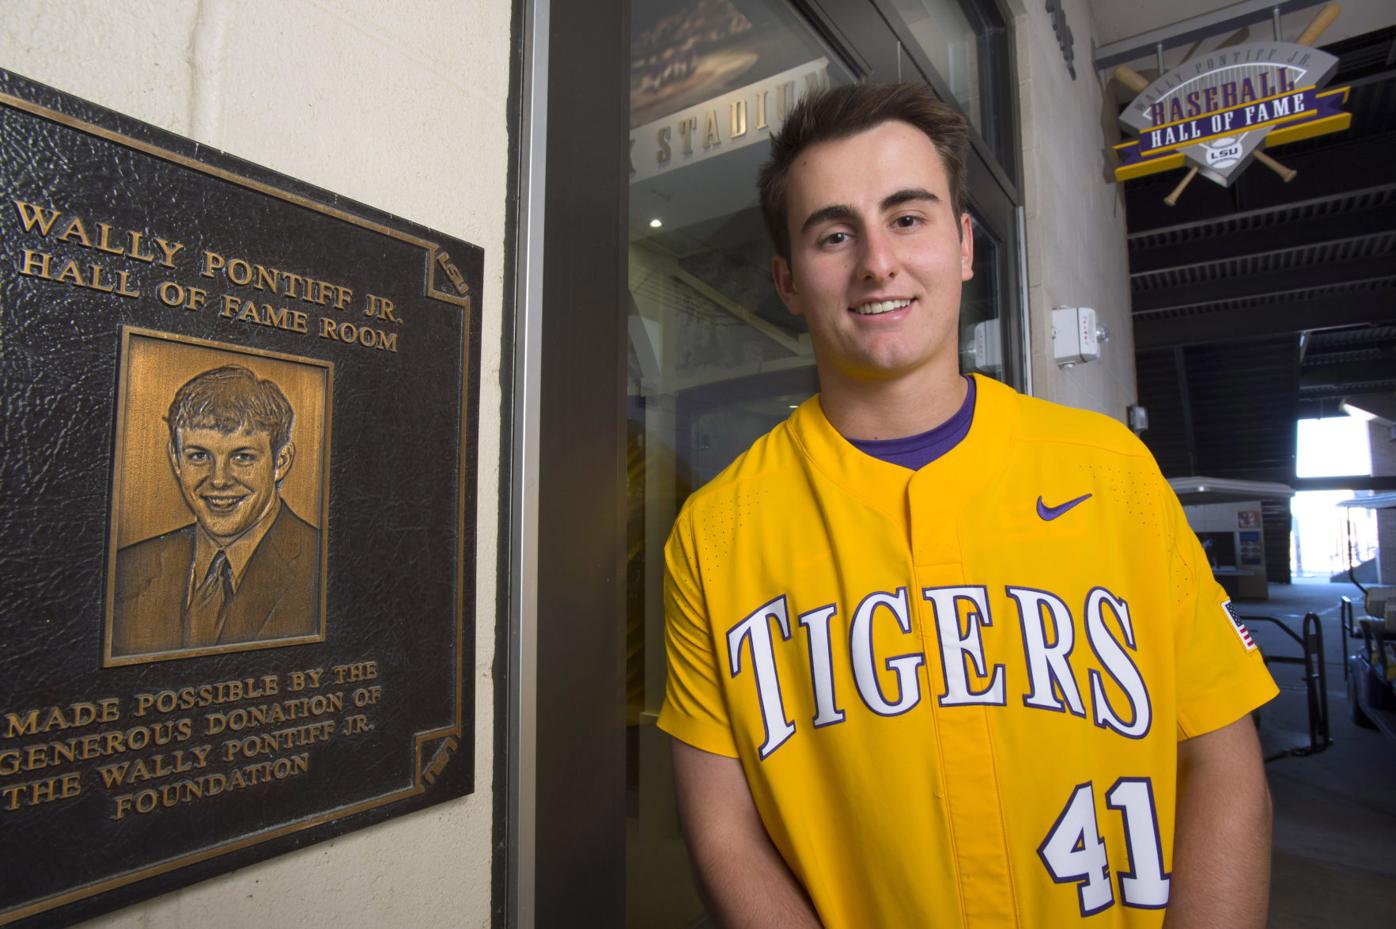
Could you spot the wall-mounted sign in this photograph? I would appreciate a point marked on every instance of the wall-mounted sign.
(723, 124)
(237, 472)
(1065, 40)
(1249, 548)
(1214, 112)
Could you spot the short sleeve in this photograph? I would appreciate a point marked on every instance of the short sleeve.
(695, 709)
(1221, 673)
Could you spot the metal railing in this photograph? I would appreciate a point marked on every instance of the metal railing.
(1310, 642)
(1345, 620)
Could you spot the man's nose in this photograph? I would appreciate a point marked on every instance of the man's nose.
(221, 476)
(878, 259)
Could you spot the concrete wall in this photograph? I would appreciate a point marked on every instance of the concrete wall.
(1075, 213)
(401, 106)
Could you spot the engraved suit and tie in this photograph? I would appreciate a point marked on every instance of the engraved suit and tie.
(248, 568)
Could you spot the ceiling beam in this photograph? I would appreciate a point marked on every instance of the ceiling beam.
(1365, 162)
(1265, 283)
(1352, 345)
(1329, 394)
(1281, 237)
(1380, 405)
(1294, 316)
(1348, 373)
(1351, 482)
(1140, 238)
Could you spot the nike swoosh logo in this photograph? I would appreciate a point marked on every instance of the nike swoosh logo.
(1050, 513)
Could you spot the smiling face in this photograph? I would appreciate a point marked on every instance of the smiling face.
(877, 258)
(229, 479)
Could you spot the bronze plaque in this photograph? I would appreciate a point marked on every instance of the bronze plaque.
(238, 476)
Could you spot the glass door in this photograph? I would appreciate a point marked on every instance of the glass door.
(714, 357)
(664, 352)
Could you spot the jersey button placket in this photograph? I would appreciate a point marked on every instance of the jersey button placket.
(969, 771)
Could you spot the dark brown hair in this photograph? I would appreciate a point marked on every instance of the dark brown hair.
(228, 399)
(849, 110)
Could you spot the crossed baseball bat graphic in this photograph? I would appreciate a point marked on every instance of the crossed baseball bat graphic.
(1138, 83)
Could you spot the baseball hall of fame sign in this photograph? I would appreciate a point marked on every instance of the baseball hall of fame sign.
(1214, 114)
(238, 477)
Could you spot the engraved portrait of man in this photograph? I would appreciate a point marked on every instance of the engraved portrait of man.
(247, 569)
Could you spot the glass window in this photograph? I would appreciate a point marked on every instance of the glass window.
(943, 31)
(968, 55)
(715, 358)
(987, 337)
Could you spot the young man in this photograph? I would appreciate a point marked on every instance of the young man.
(939, 654)
(247, 569)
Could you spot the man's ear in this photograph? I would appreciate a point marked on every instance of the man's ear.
(284, 459)
(785, 284)
(173, 456)
(966, 247)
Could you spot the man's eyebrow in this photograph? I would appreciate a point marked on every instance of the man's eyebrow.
(836, 212)
(908, 195)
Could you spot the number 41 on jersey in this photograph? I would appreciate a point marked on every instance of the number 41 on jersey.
(1075, 853)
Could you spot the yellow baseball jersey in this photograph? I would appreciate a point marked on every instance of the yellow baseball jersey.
(956, 693)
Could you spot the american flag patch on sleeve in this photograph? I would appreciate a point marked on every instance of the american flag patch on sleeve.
(1239, 626)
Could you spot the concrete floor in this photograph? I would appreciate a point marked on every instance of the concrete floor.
(1335, 812)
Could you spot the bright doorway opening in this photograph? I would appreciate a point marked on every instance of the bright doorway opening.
(1327, 538)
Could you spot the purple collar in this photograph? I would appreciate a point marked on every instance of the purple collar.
(917, 451)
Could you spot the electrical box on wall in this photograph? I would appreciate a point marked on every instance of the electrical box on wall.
(985, 348)
(1137, 418)
(1076, 335)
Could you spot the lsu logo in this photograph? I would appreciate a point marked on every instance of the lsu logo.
(1240, 627)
